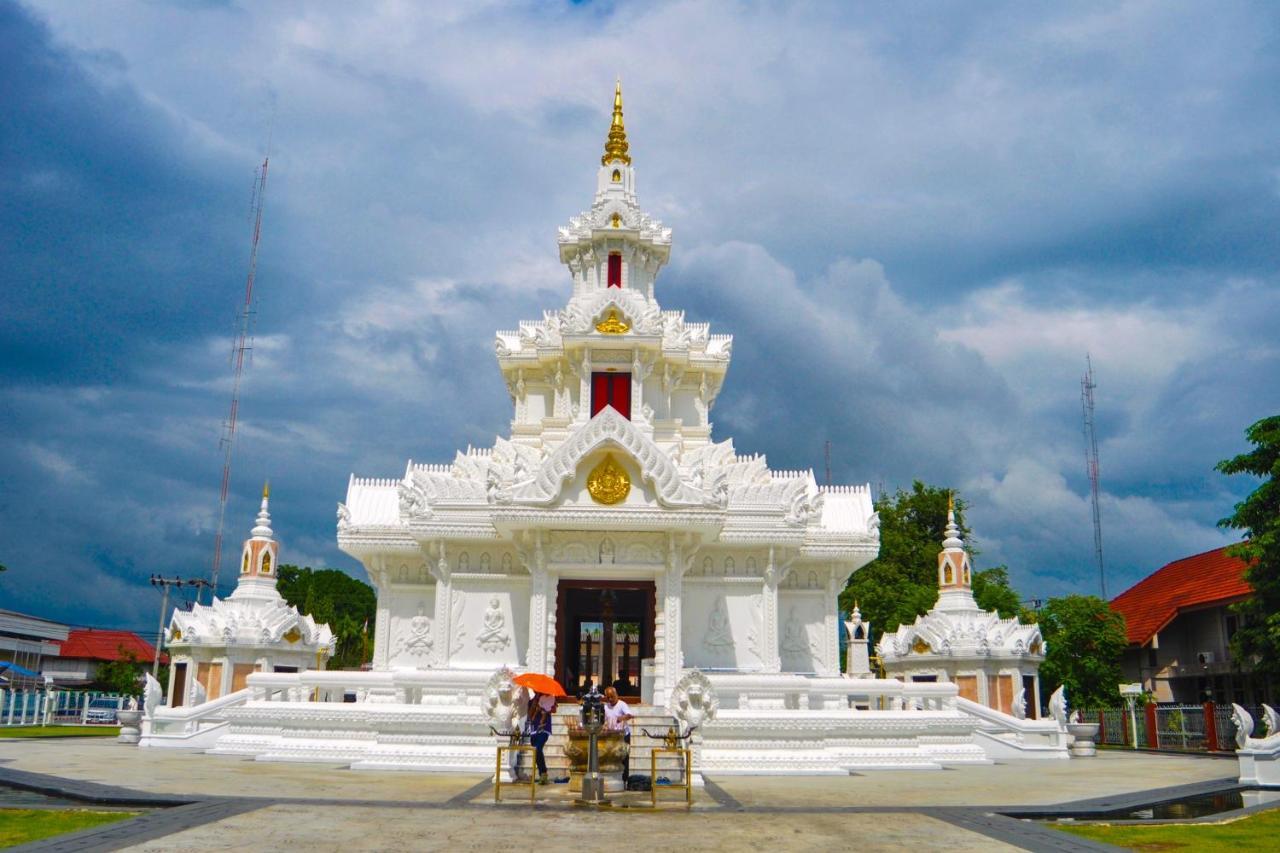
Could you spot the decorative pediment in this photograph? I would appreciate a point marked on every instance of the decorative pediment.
(610, 429)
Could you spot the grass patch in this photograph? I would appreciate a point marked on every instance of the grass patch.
(1255, 832)
(59, 731)
(18, 826)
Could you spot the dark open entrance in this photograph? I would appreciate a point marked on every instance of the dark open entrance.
(603, 630)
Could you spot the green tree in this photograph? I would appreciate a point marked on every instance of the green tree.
(1256, 643)
(992, 591)
(334, 597)
(123, 675)
(902, 582)
(1085, 640)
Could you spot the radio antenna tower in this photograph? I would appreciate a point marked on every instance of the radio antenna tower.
(827, 454)
(242, 346)
(1091, 462)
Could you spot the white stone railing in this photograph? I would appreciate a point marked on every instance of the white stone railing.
(784, 691)
(412, 687)
(1020, 736)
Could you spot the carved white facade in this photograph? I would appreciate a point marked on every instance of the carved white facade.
(609, 538)
(745, 562)
(213, 648)
(993, 661)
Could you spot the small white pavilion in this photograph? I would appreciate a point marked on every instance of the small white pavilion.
(992, 661)
(214, 647)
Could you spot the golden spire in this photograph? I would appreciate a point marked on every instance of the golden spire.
(266, 488)
(615, 144)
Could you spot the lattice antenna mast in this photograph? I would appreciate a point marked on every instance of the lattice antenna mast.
(243, 346)
(1091, 462)
(827, 454)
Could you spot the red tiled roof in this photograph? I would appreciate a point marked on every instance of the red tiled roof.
(96, 644)
(1154, 601)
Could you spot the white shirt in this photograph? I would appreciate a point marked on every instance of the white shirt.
(612, 715)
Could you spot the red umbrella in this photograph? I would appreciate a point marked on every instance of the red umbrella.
(539, 683)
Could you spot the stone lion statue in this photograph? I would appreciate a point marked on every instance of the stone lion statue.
(694, 701)
(505, 704)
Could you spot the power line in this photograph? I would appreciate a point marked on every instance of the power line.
(1091, 463)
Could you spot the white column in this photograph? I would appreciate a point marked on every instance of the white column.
(444, 608)
(540, 588)
(668, 643)
(830, 663)
(771, 659)
(382, 614)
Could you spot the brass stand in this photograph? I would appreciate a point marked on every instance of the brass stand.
(688, 773)
(533, 773)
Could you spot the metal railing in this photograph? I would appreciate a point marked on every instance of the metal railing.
(55, 707)
(1178, 728)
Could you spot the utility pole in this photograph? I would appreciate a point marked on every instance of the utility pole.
(1091, 462)
(164, 584)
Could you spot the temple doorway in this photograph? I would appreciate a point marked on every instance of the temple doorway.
(603, 630)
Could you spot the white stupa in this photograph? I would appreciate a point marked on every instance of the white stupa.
(993, 661)
(214, 647)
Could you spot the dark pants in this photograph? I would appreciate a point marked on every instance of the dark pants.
(539, 740)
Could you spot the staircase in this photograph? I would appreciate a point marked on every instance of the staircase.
(649, 717)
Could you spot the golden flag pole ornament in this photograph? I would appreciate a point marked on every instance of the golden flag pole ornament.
(608, 483)
(615, 144)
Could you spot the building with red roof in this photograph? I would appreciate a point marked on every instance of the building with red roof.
(85, 649)
(1180, 628)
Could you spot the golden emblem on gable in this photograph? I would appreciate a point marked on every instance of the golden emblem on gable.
(608, 482)
(920, 646)
(613, 325)
(293, 635)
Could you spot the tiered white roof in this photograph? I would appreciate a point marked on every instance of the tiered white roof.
(957, 628)
(676, 369)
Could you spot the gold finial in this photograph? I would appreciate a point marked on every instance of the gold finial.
(615, 144)
(266, 488)
(951, 502)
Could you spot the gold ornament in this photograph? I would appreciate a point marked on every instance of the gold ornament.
(612, 325)
(177, 636)
(615, 144)
(293, 635)
(920, 646)
(608, 482)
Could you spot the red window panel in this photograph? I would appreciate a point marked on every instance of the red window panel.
(611, 389)
(615, 270)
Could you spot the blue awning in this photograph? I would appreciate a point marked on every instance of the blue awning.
(13, 669)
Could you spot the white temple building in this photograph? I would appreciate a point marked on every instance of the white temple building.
(609, 539)
(992, 661)
(213, 648)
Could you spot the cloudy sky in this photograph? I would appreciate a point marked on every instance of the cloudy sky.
(916, 220)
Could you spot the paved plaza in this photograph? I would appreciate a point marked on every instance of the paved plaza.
(231, 803)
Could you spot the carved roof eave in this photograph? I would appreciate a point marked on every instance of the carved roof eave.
(705, 522)
(366, 540)
(610, 429)
(852, 549)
